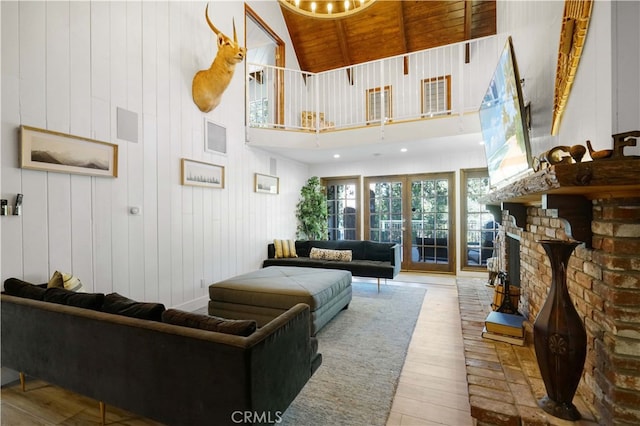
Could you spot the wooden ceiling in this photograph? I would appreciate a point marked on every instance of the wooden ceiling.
(387, 28)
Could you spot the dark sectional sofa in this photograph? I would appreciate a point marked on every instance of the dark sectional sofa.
(369, 258)
(174, 374)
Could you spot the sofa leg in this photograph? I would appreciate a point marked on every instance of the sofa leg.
(22, 384)
(103, 412)
(378, 285)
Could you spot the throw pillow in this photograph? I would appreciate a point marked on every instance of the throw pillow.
(115, 303)
(19, 288)
(328, 254)
(209, 322)
(71, 298)
(66, 281)
(285, 248)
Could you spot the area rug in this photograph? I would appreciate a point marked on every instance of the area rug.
(363, 349)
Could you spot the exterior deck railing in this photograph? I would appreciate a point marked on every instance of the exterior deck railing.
(428, 84)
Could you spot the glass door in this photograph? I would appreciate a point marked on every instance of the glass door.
(342, 208)
(417, 212)
(431, 230)
(384, 221)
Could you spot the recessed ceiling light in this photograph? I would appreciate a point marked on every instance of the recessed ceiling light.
(403, 149)
(336, 155)
(481, 142)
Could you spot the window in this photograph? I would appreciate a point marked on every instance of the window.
(436, 96)
(479, 226)
(258, 112)
(376, 99)
(342, 208)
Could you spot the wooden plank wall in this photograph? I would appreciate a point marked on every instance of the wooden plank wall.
(67, 67)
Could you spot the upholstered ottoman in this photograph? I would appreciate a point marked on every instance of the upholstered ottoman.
(266, 293)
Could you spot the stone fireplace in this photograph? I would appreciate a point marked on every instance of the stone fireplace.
(603, 274)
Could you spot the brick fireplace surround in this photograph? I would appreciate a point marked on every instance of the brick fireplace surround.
(604, 284)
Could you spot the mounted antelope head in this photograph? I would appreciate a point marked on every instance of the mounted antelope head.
(209, 85)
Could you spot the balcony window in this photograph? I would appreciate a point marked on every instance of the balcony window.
(376, 99)
(436, 96)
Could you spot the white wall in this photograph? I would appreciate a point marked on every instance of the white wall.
(605, 97)
(67, 67)
(535, 30)
(626, 68)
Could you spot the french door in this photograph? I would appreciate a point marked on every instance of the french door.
(417, 212)
(343, 210)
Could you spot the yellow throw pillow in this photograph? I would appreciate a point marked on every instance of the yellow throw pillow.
(292, 248)
(285, 248)
(278, 246)
(66, 281)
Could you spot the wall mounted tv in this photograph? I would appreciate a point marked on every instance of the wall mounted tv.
(502, 120)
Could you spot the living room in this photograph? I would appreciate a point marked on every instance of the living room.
(70, 66)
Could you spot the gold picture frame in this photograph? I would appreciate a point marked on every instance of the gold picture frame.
(50, 151)
(266, 184)
(573, 34)
(198, 173)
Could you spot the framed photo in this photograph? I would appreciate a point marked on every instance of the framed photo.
(267, 184)
(215, 137)
(197, 173)
(58, 152)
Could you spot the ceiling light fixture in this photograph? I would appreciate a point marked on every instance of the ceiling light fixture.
(333, 9)
(336, 155)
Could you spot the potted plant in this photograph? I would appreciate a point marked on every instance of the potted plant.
(311, 211)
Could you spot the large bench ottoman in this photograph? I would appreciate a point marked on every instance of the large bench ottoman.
(266, 293)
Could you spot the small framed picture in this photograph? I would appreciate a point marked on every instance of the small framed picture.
(197, 173)
(267, 184)
(215, 137)
(58, 152)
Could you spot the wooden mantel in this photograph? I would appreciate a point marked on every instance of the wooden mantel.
(610, 178)
(569, 188)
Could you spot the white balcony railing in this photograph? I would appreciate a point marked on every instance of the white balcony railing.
(426, 84)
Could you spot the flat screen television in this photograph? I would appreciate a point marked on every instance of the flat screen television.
(502, 120)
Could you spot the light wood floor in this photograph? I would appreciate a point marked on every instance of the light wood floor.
(432, 389)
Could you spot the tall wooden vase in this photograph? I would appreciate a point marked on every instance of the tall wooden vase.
(559, 337)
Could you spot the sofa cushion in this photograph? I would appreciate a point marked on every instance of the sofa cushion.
(303, 247)
(378, 251)
(285, 249)
(19, 288)
(328, 254)
(66, 281)
(209, 322)
(80, 300)
(115, 303)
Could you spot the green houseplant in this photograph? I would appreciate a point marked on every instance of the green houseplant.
(311, 211)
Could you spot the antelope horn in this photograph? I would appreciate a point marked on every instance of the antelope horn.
(206, 14)
(235, 37)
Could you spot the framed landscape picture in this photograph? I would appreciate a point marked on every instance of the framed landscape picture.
(267, 184)
(58, 152)
(197, 173)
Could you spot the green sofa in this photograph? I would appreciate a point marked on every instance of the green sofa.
(169, 373)
(369, 258)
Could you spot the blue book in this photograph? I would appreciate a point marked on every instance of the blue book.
(507, 324)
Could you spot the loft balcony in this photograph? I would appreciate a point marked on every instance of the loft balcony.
(424, 97)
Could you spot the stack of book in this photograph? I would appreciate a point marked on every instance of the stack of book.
(508, 328)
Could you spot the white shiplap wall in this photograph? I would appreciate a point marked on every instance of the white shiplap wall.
(68, 66)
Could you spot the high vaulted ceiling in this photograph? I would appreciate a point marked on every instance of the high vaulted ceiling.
(387, 28)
